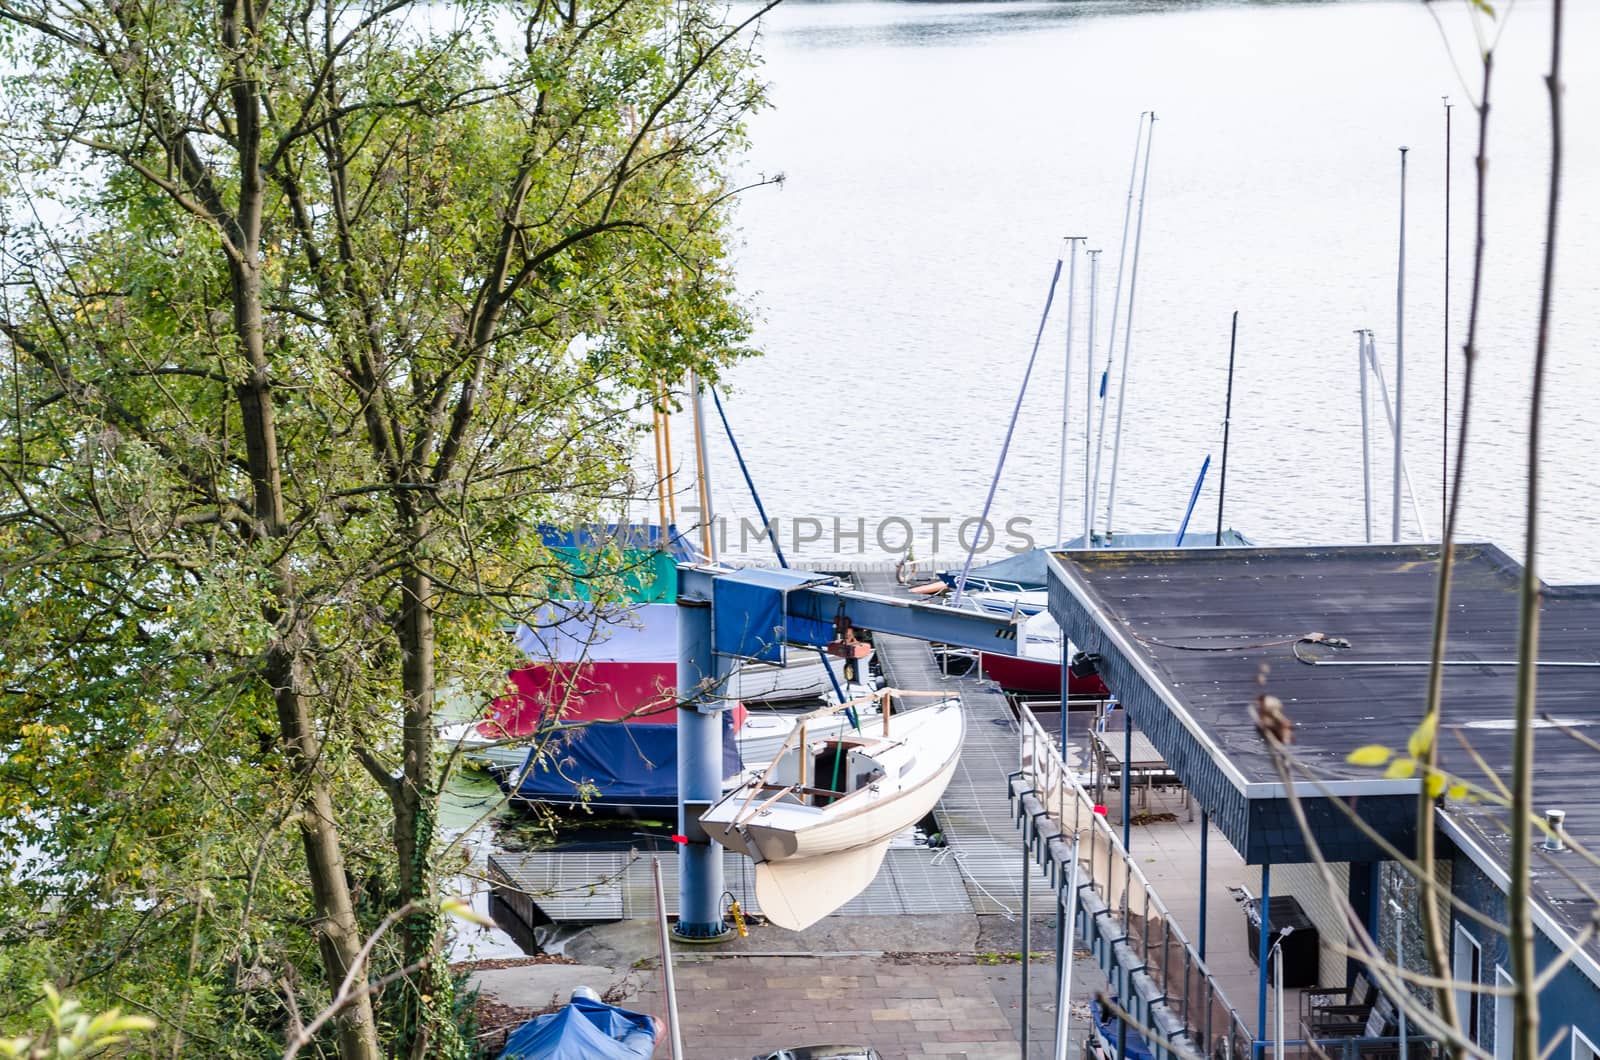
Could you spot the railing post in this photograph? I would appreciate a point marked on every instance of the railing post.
(1205, 878)
(1261, 954)
(1026, 925)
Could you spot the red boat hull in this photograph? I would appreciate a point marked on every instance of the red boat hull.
(642, 693)
(1032, 675)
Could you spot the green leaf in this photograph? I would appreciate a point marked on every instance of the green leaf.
(1373, 754)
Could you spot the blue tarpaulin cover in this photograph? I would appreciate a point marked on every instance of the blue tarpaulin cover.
(634, 766)
(747, 613)
(597, 537)
(583, 1030)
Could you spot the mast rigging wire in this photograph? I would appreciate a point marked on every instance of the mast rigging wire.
(983, 520)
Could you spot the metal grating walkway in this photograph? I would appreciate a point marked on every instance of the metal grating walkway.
(975, 812)
(617, 884)
(980, 871)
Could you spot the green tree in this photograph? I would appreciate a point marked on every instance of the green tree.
(311, 313)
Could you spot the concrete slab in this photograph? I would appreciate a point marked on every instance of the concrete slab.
(621, 943)
(537, 986)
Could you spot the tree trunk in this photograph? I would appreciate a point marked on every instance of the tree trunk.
(338, 934)
(428, 1024)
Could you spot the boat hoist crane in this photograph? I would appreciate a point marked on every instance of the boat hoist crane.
(726, 615)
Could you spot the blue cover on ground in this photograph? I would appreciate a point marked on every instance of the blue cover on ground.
(583, 1030)
(632, 765)
(748, 620)
(1106, 1023)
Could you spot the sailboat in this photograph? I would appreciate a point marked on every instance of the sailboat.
(819, 819)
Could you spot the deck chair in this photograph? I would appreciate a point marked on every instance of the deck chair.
(1382, 1022)
(1334, 1012)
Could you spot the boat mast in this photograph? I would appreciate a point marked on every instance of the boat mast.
(1066, 388)
(666, 446)
(1227, 422)
(1400, 351)
(1116, 300)
(1088, 402)
(1362, 337)
(661, 467)
(1389, 412)
(1127, 329)
(1444, 431)
(708, 543)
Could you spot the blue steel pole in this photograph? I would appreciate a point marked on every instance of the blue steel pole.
(1062, 956)
(1066, 678)
(1261, 955)
(1205, 879)
(1127, 770)
(699, 774)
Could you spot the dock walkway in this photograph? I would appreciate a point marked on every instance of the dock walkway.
(978, 871)
(975, 812)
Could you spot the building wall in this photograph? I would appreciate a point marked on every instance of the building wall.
(1401, 938)
(1326, 911)
(1572, 998)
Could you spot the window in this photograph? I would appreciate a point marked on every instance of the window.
(1583, 1048)
(1467, 967)
(1504, 1017)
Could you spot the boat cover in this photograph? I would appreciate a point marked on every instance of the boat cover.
(583, 1030)
(750, 619)
(1030, 570)
(642, 693)
(632, 766)
(637, 559)
(572, 631)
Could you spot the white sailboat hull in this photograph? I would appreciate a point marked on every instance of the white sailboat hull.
(804, 677)
(811, 859)
(796, 894)
(874, 824)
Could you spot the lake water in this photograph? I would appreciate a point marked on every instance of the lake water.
(935, 153)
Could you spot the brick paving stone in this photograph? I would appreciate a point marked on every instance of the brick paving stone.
(735, 1009)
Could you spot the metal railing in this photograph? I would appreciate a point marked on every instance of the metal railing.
(1152, 965)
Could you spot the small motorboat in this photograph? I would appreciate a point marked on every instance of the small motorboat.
(818, 820)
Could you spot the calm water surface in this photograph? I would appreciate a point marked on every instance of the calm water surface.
(934, 153)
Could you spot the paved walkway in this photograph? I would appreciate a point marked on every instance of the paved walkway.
(909, 986)
(734, 1008)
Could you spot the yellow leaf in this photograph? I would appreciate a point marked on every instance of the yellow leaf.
(1457, 791)
(1422, 738)
(1400, 769)
(463, 911)
(1435, 784)
(1373, 754)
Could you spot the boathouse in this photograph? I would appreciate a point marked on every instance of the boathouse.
(1187, 640)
